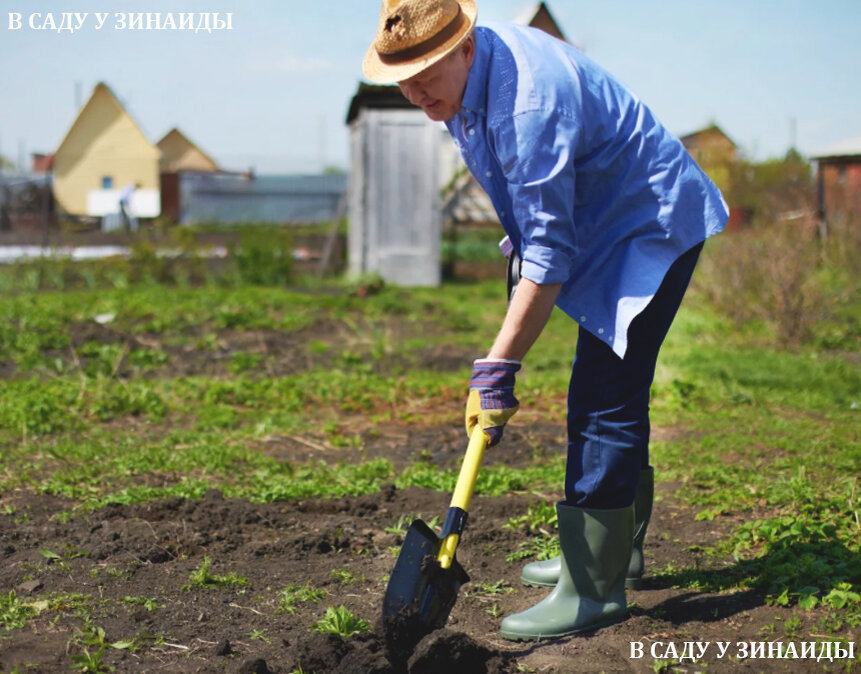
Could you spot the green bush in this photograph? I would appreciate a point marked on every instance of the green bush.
(263, 256)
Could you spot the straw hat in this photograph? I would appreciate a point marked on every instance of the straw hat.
(415, 34)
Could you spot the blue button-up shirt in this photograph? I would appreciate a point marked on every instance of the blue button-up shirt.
(592, 191)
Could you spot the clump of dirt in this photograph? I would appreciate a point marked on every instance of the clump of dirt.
(442, 650)
(454, 652)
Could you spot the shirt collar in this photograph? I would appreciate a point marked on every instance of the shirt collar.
(475, 94)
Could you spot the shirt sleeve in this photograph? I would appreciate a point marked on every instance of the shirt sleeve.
(536, 153)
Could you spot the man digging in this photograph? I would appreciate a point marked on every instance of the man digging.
(605, 215)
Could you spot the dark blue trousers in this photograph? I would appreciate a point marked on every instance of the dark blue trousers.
(608, 400)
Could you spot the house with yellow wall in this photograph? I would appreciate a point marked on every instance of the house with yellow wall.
(103, 152)
(718, 156)
(715, 152)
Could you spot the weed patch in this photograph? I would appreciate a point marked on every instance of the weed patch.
(203, 577)
(541, 547)
(14, 613)
(342, 622)
(291, 596)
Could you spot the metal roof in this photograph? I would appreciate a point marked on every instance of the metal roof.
(226, 197)
(846, 148)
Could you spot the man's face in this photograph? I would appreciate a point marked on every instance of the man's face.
(438, 90)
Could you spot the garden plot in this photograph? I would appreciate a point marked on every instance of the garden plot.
(219, 480)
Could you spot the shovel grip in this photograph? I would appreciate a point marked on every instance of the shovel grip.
(469, 470)
(460, 500)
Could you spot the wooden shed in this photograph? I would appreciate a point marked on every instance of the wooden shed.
(393, 204)
(179, 155)
(838, 177)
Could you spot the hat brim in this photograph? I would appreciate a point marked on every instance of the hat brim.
(380, 72)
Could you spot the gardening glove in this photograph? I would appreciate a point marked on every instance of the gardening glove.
(491, 402)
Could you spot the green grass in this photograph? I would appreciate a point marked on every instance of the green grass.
(541, 515)
(541, 547)
(762, 440)
(775, 439)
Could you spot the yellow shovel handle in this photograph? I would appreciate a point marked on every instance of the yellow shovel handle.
(463, 490)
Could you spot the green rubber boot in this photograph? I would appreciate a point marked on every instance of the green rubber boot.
(596, 549)
(542, 574)
(546, 572)
(642, 515)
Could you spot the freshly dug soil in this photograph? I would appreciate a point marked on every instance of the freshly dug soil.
(125, 569)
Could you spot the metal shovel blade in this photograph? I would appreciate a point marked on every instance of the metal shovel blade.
(420, 594)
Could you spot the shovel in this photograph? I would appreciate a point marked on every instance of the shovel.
(424, 584)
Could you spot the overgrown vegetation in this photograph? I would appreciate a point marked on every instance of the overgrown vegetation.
(788, 286)
(258, 255)
(787, 277)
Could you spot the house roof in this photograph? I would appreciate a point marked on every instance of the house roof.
(846, 148)
(101, 87)
(711, 129)
(176, 134)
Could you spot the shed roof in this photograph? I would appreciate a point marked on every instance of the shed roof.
(377, 96)
(846, 148)
(538, 15)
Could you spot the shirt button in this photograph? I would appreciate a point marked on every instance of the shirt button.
(582, 319)
(472, 132)
(600, 331)
(489, 174)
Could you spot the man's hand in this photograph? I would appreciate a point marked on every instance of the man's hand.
(491, 401)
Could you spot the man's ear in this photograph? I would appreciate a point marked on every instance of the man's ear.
(468, 48)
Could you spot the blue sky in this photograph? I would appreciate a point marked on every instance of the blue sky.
(273, 92)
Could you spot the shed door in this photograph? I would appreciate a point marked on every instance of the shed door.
(404, 219)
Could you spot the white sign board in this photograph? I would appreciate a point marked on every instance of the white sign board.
(144, 203)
